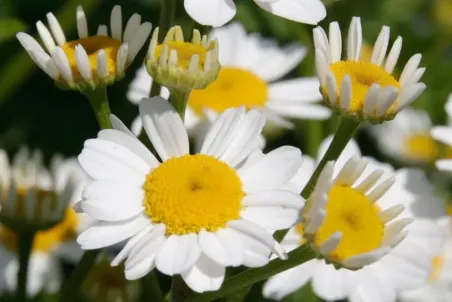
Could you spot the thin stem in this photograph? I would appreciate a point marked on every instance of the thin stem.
(315, 136)
(72, 286)
(150, 288)
(99, 102)
(167, 14)
(237, 282)
(25, 245)
(345, 131)
(178, 99)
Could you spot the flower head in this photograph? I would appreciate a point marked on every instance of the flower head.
(32, 196)
(90, 61)
(361, 89)
(187, 213)
(407, 138)
(406, 264)
(219, 12)
(183, 65)
(250, 76)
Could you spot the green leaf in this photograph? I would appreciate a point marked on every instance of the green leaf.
(9, 27)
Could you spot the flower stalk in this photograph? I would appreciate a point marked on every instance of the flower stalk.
(99, 102)
(179, 99)
(26, 238)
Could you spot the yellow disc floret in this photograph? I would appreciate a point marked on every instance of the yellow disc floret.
(356, 217)
(233, 87)
(47, 239)
(185, 51)
(92, 46)
(422, 147)
(437, 266)
(191, 193)
(362, 75)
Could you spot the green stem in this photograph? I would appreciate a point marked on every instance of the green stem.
(25, 245)
(178, 99)
(167, 14)
(344, 133)
(315, 136)
(179, 290)
(99, 102)
(72, 286)
(237, 282)
(150, 288)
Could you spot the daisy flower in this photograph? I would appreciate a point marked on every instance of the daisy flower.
(439, 285)
(444, 135)
(361, 89)
(251, 68)
(407, 138)
(34, 196)
(92, 60)
(182, 65)
(192, 215)
(219, 12)
(361, 226)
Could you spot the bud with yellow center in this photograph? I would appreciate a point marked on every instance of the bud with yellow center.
(182, 65)
(361, 89)
(91, 61)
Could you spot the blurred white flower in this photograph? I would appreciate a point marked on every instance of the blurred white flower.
(210, 207)
(405, 260)
(41, 199)
(90, 61)
(444, 135)
(219, 12)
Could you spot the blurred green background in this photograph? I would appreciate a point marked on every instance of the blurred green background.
(34, 112)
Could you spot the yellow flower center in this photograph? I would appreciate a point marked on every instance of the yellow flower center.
(233, 87)
(41, 196)
(437, 266)
(185, 51)
(92, 46)
(48, 239)
(362, 75)
(191, 193)
(355, 216)
(421, 147)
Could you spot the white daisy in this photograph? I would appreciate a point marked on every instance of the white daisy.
(34, 196)
(444, 135)
(407, 138)
(92, 60)
(251, 68)
(362, 89)
(439, 285)
(392, 263)
(192, 215)
(219, 12)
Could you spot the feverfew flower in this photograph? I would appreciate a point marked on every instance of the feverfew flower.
(38, 198)
(182, 65)
(249, 76)
(219, 12)
(385, 255)
(92, 60)
(407, 138)
(187, 213)
(361, 89)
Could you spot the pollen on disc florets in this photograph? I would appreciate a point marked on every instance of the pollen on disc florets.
(182, 65)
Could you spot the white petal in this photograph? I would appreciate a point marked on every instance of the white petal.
(335, 40)
(301, 111)
(205, 275)
(102, 66)
(102, 30)
(83, 63)
(410, 68)
(393, 56)
(278, 166)
(361, 260)
(354, 39)
(112, 201)
(131, 28)
(82, 24)
(125, 251)
(274, 198)
(295, 91)
(212, 247)
(304, 11)
(271, 218)
(105, 233)
(232, 246)
(164, 127)
(210, 12)
(62, 63)
(346, 92)
(56, 29)
(381, 46)
(137, 43)
(121, 58)
(442, 134)
(116, 23)
(46, 37)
